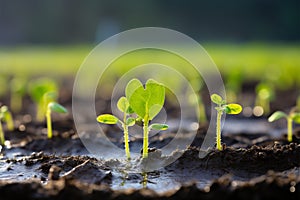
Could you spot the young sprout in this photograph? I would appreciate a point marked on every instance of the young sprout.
(264, 95)
(222, 107)
(124, 107)
(146, 103)
(5, 116)
(18, 90)
(37, 89)
(52, 106)
(293, 116)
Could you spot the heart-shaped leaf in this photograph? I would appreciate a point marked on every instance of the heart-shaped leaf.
(148, 101)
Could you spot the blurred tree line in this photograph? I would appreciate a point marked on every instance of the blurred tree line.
(79, 21)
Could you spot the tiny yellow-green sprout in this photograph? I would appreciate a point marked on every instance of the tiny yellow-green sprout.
(37, 89)
(124, 107)
(52, 106)
(293, 116)
(146, 102)
(264, 95)
(222, 107)
(5, 116)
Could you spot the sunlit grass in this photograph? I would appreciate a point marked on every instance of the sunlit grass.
(254, 60)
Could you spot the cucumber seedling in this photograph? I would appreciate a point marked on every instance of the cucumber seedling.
(5, 116)
(146, 103)
(52, 106)
(221, 108)
(124, 107)
(293, 116)
(37, 89)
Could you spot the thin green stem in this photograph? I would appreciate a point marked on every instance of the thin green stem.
(126, 137)
(9, 121)
(218, 131)
(290, 129)
(49, 124)
(2, 139)
(145, 179)
(146, 132)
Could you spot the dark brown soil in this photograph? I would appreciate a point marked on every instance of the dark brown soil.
(253, 165)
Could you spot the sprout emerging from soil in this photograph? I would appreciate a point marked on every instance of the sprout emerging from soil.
(52, 106)
(37, 89)
(222, 107)
(124, 107)
(293, 116)
(146, 103)
(264, 95)
(5, 116)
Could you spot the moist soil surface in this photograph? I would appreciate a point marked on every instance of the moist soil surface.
(255, 164)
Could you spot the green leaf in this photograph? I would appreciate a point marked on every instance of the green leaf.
(145, 101)
(39, 87)
(216, 99)
(233, 109)
(296, 118)
(50, 97)
(156, 97)
(132, 86)
(55, 107)
(277, 115)
(160, 127)
(130, 121)
(107, 119)
(123, 104)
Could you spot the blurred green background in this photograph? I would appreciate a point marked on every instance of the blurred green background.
(259, 37)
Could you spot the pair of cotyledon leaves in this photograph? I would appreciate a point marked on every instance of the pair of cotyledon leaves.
(146, 102)
(232, 108)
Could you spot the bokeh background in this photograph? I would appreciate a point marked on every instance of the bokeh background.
(54, 36)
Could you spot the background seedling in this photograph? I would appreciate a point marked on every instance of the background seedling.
(124, 107)
(234, 81)
(37, 89)
(5, 116)
(52, 106)
(222, 107)
(146, 103)
(293, 116)
(18, 90)
(264, 95)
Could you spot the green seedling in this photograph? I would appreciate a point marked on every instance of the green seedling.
(37, 89)
(52, 106)
(5, 116)
(18, 90)
(221, 108)
(146, 103)
(293, 116)
(234, 82)
(264, 95)
(124, 107)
